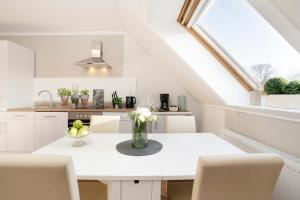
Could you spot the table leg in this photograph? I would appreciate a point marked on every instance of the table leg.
(113, 190)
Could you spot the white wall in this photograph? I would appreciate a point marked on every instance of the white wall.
(152, 77)
(276, 128)
(55, 55)
(124, 86)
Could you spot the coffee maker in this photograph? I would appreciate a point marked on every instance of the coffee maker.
(164, 102)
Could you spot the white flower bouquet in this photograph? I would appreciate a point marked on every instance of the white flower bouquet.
(140, 117)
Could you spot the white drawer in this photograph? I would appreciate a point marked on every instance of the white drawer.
(51, 115)
(136, 190)
(20, 115)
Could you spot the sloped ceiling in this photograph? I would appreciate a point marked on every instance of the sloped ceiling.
(190, 63)
(58, 16)
(289, 8)
(283, 15)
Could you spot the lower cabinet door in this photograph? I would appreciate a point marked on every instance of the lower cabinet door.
(20, 135)
(3, 142)
(49, 127)
(158, 126)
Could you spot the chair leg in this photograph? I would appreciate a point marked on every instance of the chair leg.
(164, 190)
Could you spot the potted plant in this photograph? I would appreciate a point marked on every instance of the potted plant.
(140, 117)
(64, 94)
(75, 96)
(117, 102)
(84, 96)
(282, 94)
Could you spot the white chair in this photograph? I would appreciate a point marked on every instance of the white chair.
(180, 124)
(235, 177)
(104, 124)
(36, 177)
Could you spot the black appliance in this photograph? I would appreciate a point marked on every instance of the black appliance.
(130, 102)
(84, 116)
(164, 102)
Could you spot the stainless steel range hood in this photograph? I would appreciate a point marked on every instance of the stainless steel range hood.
(96, 60)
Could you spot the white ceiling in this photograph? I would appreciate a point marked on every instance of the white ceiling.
(289, 8)
(59, 16)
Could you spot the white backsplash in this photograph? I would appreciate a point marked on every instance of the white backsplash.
(123, 86)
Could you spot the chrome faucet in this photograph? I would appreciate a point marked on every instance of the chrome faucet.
(50, 95)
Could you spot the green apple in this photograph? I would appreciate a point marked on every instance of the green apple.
(83, 131)
(85, 127)
(77, 124)
(73, 131)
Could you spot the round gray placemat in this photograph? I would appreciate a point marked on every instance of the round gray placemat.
(126, 148)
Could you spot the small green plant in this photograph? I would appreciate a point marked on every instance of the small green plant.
(85, 92)
(63, 92)
(292, 87)
(275, 85)
(117, 101)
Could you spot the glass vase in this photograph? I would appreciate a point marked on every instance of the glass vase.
(139, 135)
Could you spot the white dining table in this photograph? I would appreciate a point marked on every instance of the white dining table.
(139, 177)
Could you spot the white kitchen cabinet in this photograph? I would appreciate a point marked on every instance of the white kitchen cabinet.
(125, 125)
(20, 131)
(16, 75)
(49, 126)
(158, 126)
(3, 132)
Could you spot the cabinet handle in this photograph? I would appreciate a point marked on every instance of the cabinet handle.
(49, 116)
(19, 115)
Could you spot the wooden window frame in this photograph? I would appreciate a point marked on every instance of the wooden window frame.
(186, 14)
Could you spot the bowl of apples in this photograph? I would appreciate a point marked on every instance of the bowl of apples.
(78, 131)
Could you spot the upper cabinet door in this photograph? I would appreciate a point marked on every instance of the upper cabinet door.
(20, 75)
(3, 75)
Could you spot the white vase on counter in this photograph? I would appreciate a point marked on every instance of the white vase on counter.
(255, 97)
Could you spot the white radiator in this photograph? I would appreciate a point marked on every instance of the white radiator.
(288, 184)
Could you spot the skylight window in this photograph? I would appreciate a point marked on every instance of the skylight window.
(252, 45)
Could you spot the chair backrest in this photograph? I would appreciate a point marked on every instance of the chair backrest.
(180, 124)
(104, 124)
(37, 177)
(246, 177)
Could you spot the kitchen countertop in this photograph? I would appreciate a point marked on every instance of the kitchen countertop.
(69, 108)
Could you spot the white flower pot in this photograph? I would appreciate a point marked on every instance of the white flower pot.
(255, 98)
(283, 101)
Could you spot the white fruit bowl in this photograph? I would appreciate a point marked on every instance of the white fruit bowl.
(79, 142)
